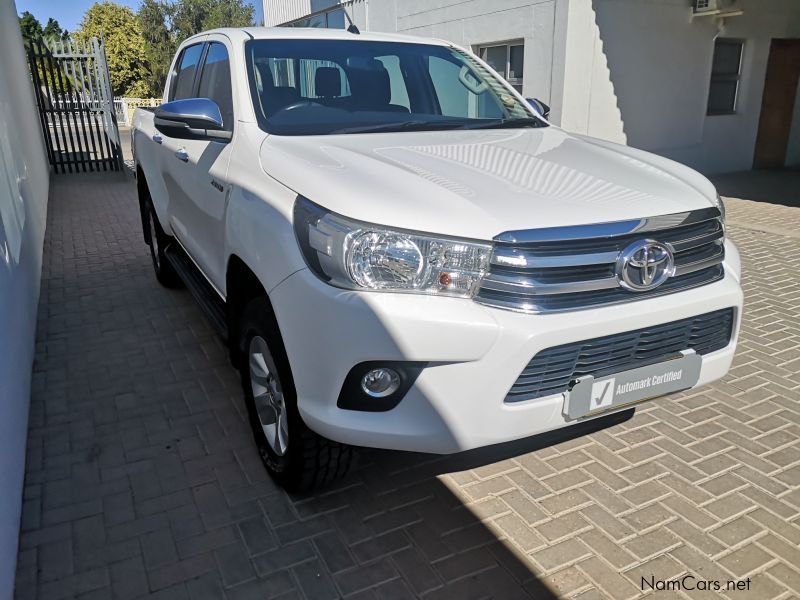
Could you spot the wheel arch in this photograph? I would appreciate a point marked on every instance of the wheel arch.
(242, 286)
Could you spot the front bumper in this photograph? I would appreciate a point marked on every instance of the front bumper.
(475, 354)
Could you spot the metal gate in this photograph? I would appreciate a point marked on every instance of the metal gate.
(76, 105)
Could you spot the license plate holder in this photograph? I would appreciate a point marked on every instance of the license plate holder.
(590, 396)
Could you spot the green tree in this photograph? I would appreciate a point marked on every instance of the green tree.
(155, 18)
(32, 32)
(53, 30)
(165, 25)
(124, 44)
(31, 28)
(229, 14)
(194, 16)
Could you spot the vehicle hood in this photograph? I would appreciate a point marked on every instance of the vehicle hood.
(477, 184)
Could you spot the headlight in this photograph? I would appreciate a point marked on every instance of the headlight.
(355, 255)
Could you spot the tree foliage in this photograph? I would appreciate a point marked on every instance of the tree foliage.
(194, 16)
(155, 18)
(33, 33)
(53, 30)
(125, 46)
(32, 29)
(166, 24)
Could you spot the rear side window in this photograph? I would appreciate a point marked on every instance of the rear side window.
(183, 77)
(215, 81)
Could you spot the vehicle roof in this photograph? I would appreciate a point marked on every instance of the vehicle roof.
(306, 33)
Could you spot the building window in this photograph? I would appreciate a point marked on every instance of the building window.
(506, 59)
(726, 72)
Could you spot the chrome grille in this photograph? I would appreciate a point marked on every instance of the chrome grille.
(551, 371)
(569, 268)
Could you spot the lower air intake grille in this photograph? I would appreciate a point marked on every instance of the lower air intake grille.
(551, 371)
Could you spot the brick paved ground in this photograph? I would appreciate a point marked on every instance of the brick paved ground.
(142, 478)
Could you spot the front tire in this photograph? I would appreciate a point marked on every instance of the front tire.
(296, 457)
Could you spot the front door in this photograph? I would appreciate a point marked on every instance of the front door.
(197, 173)
(778, 104)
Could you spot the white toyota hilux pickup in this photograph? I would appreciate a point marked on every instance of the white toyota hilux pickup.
(402, 252)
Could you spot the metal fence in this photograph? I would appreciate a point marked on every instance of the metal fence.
(76, 105)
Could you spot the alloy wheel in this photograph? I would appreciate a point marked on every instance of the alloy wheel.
(268, 398)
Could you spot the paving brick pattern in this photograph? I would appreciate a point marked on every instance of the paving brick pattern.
(142, 480)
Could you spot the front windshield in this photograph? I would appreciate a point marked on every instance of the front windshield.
(312, 87)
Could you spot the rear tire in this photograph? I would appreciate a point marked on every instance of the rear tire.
(297, 458)
(165, 273)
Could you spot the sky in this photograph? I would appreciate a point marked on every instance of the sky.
(69, 13)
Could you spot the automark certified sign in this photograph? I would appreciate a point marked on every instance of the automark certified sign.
(590, 395)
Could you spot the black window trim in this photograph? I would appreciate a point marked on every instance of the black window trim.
(199, 74)
(176, 70)
(722, 78)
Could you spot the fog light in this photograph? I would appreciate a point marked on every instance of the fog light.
(380, 383)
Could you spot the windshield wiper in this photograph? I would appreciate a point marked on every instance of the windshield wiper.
(403, 126)
(419, 125)
(506, 124)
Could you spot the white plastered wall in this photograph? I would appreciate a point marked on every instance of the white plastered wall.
(24, 180)
(638, 72)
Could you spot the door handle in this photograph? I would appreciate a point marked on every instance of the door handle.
(182, 155)
(157, 138)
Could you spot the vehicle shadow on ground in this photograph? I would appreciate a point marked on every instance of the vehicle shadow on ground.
(409, 504)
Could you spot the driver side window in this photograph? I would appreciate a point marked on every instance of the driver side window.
(182, 83)
(215, 81)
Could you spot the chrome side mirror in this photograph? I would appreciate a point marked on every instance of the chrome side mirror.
(540, 107)
(191, 119)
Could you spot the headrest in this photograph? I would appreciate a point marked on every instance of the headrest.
(372, 85)
(267, 80)
(327, 82)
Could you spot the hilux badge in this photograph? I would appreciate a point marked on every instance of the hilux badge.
(645, 265)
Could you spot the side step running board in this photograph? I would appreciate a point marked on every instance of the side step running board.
(206, 296)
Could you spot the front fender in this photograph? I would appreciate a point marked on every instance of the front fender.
(259, 231)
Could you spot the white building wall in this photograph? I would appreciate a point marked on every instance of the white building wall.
(24, 183)
(469, 23)
(277, 12)
(638, 72)
(475, 23)
(635, 72)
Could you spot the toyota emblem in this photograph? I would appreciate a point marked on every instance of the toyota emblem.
(645, 265)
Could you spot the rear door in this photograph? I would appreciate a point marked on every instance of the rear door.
(197, 169)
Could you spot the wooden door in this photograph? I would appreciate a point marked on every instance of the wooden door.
(777, 106)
